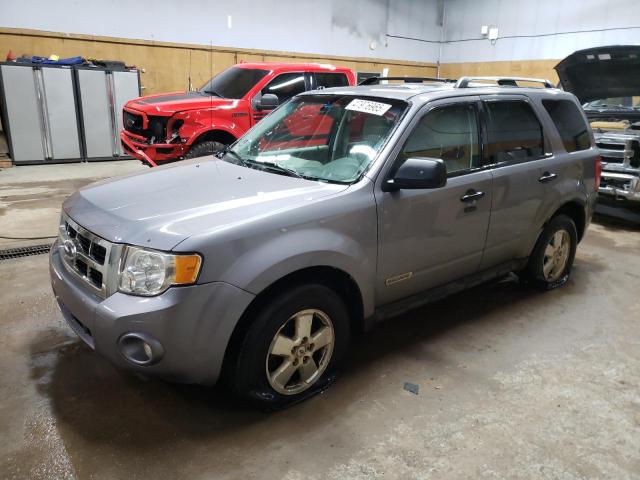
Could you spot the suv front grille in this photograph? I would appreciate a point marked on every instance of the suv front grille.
(92, 249)
(85, 254)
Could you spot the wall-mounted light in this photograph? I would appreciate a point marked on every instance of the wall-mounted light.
(490, 32)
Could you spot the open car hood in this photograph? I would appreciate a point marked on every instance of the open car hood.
(601, 72)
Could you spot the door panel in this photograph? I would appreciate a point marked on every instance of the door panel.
(516, 204)
(432, 234)
(24, 116)
(516, 148)
(126, 87)
(96, 113)
(430, 237)
(61, 112)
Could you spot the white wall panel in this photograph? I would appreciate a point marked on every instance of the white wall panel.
(533, 18)
(331, 27)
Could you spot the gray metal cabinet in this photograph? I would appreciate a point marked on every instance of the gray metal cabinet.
(97, 117)
(54, 113)
(126, 85)
(40, 113)
(102, 95)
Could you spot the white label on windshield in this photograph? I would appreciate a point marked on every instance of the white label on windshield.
(367, 106)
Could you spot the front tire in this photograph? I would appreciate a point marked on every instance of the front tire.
(295, 343)
(552, 258)
(203, 149)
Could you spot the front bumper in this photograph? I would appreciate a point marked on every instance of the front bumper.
(193, 324)
(137, 147)
(620, 186)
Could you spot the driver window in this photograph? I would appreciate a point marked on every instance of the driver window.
(449, 133)
(285, 86)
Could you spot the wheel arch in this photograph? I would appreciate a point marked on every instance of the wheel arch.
(217, 135)
(333, 278)
(576, 211)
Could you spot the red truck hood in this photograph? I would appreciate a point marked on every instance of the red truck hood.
(179, 101)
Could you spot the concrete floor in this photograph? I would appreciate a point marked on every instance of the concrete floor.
(514, 383)
(31, 196)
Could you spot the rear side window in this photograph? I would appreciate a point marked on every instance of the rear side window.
(328, 80)
(571, 126)
(513, 132)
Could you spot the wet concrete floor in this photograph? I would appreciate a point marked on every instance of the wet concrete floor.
(513, 383)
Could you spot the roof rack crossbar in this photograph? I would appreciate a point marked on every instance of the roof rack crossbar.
(464, 82)
(377, 80)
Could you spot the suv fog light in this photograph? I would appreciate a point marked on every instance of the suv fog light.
(140, 348)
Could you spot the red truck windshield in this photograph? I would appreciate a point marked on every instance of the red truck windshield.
(234, 82)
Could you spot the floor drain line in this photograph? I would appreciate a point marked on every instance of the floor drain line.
(24, 251)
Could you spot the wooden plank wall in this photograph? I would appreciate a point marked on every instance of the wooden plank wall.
(520, 68)
(167, 65)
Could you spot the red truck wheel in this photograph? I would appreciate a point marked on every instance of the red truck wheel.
(203, 149)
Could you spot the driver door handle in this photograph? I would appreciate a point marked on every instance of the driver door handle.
(547, 177)
(471, 195)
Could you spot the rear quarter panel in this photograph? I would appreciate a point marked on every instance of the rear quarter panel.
(576, 170)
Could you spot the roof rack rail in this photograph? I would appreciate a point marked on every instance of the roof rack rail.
(377, 80)
(464, 82)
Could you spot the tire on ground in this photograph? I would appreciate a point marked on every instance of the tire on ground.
(534, 271)
(248, 374)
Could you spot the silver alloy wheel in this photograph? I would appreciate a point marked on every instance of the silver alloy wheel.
(556, 255)
(300, 352)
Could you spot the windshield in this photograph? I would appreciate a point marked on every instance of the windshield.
(234, 82)
(321, 137)
(614, 103)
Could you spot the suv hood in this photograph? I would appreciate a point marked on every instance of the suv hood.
(178, 101)
(163, 206)
(601, 72)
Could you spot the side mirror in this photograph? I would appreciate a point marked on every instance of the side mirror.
(417, 173)
(268, 101)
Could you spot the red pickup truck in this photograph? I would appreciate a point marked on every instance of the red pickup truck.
(173, 126)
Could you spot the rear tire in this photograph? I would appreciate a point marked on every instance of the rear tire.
(552, 258)
(203, 149)
(293, 346)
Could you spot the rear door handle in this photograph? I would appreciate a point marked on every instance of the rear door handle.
(547, 177)
(471, 195)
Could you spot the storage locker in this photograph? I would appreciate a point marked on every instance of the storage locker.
(39, 113)
(102, 94)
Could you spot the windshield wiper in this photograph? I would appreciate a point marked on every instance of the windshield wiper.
(227, 151)
(274, 166)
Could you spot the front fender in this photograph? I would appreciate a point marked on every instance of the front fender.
(198, 122)
(262, 266)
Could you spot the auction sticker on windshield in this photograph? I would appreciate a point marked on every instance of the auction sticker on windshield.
(367, 106)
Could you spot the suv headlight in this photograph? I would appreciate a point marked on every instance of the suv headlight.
(149, 272)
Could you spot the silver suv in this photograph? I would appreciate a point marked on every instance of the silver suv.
(342, 207)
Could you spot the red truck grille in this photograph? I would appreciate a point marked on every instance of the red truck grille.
(156, 131)
(132, 122)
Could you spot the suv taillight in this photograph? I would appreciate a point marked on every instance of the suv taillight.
(598, 171)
